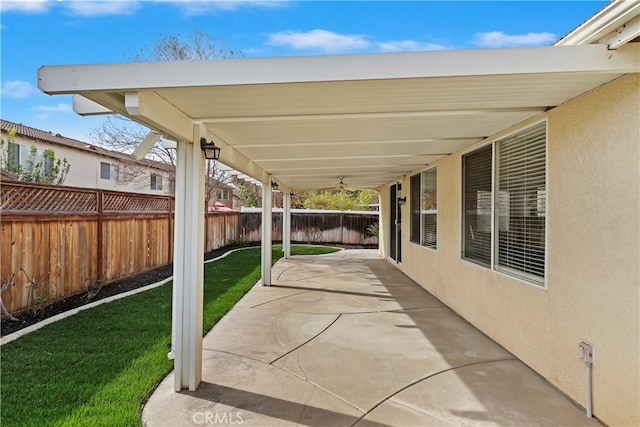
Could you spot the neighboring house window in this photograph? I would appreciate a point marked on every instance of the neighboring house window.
(14, 154)
(20, 155)
(222, 194)
(424, 208)
(515, 228)
(156, 181)
(109, 171)
(48, 163)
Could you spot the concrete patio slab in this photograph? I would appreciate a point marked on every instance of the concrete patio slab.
(483, 394)
(387, 351)
(267, 334)
(348, 340)
(233, 393)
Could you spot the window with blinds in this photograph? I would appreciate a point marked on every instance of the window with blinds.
(477, 184)
(521, 203)
(424, 208)
(505, 208)
(414, 205)
(429, 208)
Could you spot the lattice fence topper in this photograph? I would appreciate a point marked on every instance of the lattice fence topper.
(134, 203)
(22, 198)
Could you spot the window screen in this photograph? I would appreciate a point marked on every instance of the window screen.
(105, 170)
(521, 203)
(415, 208)
(430, 208)
(424, 208)
(156, 181)
(477, 184)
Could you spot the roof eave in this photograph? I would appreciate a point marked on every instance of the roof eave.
(611, 17)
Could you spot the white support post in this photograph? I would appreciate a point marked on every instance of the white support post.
(266, 232)
(188, 269)
(286, 224)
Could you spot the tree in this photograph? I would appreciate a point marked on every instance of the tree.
(39, 166)
(248, 194)
(340, 200)
(121, 134)
(331, 200)
(198, 46)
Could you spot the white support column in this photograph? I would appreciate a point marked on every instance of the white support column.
(266, 232)
(286, 224)
(188, 268)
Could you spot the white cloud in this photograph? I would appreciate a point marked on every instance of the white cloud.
(496, 39)
(46, 110)
(194, 8)
(100, 8)
(323, 40)
(59, 108)
(408, 45)
(17, 89)
(25, 6)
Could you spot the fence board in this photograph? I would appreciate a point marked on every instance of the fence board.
(314, 227)
(72, 236)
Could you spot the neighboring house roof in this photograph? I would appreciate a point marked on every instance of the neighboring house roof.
(220, 207)
(58, 139)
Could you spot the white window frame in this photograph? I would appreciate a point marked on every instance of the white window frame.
(422, 242)
(529, 279)
(114, 171)
(221, 192)
(156, 181)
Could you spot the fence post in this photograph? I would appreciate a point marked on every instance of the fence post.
(206, 228)
(224, 228)
(100, 243)
(170, 228)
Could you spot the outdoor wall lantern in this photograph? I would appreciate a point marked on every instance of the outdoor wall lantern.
(402, 200)
(274, 186)
(211, 152)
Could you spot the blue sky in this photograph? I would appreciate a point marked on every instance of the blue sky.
(36, 33)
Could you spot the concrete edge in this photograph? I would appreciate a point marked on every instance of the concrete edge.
(14, 336)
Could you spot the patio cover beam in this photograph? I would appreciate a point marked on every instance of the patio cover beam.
(286, 224)
(137, 76)
(267, 192)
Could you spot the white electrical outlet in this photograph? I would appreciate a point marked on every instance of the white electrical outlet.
(586, 352)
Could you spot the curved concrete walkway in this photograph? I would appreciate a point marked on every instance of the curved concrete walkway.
(347, 340)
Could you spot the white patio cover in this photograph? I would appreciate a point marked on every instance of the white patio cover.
(304, 122)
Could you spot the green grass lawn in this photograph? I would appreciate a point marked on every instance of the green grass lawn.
(100, 366)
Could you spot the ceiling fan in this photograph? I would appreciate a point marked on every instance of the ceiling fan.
(341, 185)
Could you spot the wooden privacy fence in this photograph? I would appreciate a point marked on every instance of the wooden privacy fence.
(315, 226)
(69, 237)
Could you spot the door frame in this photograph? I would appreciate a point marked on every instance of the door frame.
(395, 223)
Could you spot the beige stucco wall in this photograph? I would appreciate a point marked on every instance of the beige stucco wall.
(593, 256)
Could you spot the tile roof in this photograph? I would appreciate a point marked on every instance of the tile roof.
(58, 139)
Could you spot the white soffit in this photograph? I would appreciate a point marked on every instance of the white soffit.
(306, 121)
